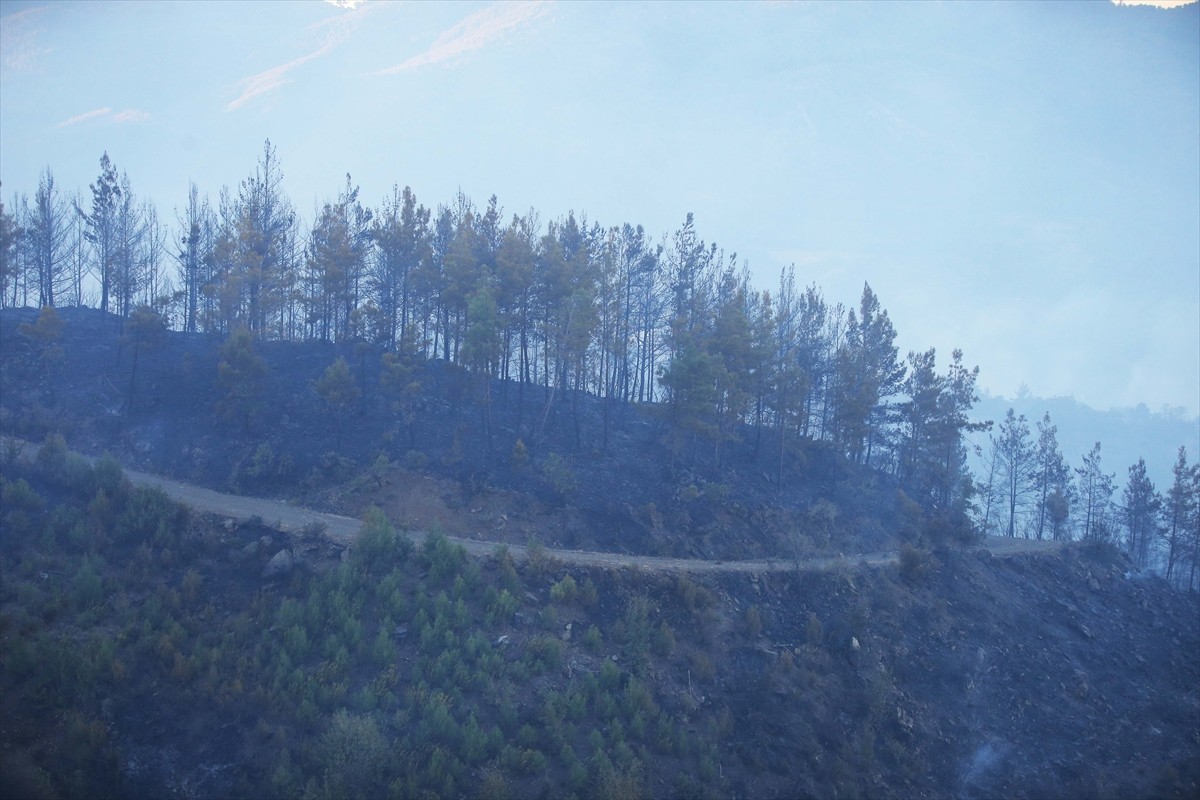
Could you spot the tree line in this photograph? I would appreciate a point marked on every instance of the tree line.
(569, 306)
(1028, 489)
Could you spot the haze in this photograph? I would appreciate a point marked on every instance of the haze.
(1018, 180)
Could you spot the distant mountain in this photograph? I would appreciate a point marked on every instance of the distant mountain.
(1125, 434)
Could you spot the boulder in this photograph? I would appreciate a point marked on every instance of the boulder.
(282, 563)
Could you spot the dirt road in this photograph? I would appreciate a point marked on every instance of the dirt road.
(343, 530)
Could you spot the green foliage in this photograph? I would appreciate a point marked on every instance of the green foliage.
(353, 755)
(20, 505)
(339, 391)
(110, 478)
(635, 630)
(87, 588)
(402, 389)
(501, 606)
(263, 462)
(52, 458)
(695, 597)
(559, 476)
(592, 639)
(663, 641)
(564, 591)
(241, 377)
(544, 653)
(379, 549)
(443, 557)
(150, 516)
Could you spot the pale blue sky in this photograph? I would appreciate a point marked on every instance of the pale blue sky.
(1020, 180)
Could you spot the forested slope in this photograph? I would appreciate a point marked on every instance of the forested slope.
(147, 652)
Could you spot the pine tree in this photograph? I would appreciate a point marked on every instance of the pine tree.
(102, 230)
(400, 233)
(869, 373)
(48, 236)
(1051, 477)
(1181, 505)
(339, 391)
(1095, 495)
(192, 255)
(1140, 508)
(1016, 463)
(10, 233)
(241, 375)
(261, 255)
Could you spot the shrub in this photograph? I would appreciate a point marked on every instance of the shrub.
(544, 653)
(520, 456)
(19, 496)
(913, 563)
(501, 607)
(87, 589)
(149, 515)
(262, 465)
(635, 628)
(52, 458)
(110, 478)
(353, 754)
(379, 548)
(664, 640)
(695, 597)
(610, 676)
(592, 638)
(559, 476)
(588, 594)
(444, 558)
(564, 591)
(191, 585)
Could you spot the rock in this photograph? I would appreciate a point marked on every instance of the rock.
(281, 563)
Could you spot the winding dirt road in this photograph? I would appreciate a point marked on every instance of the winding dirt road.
(344, 530)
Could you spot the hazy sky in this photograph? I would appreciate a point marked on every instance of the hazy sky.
(1019, 180)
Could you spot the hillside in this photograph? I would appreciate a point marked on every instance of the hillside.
(185, 662)
(152, 651)
(588, 472)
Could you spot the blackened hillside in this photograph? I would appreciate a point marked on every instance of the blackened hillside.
(610, 475)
